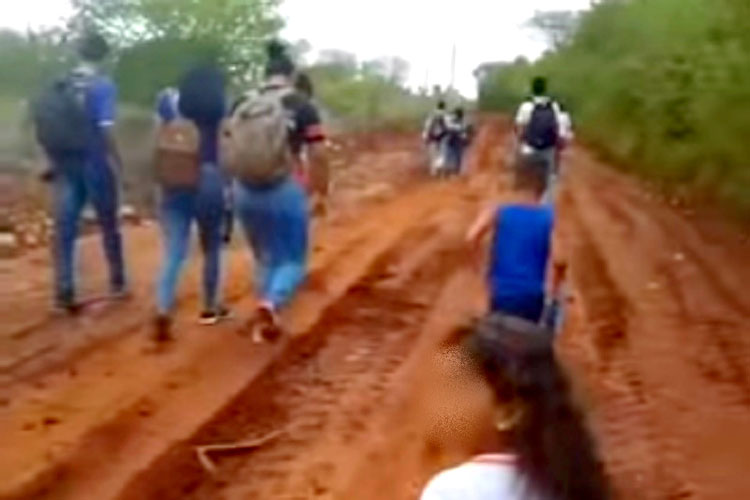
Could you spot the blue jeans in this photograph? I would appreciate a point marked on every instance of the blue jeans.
(179, 207)
(453, 157)
(77, 181)
(550, 157)
(275, 223)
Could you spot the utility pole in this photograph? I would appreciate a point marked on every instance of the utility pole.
(453, 67)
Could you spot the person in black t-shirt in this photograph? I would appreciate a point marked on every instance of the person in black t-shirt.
(275, 218)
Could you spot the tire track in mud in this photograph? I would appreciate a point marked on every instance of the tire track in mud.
(329, 383)
(720, 349)
(683, 332)
(623, 420)
(647, 458)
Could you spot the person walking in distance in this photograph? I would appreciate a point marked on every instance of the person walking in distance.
(192, 188)
(433, 135)
(74, 120)
(261, 143)
(538, 128)
(455, 141)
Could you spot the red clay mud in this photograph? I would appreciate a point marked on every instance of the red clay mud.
(657, 344)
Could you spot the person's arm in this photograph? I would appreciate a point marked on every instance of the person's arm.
(114, 150)
(313, 135)
(559, 262)
(105, 112)
(478, 231)
(317, 159)
(426, 129)
(523, 115)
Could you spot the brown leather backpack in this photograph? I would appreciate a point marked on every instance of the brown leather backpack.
(177, 159)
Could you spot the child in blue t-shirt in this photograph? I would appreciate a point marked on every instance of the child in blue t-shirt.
(521, 246)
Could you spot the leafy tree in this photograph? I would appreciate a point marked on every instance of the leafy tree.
(146, 67)
(370, 94)
(238, 28)
(558, 26)
(28, 60)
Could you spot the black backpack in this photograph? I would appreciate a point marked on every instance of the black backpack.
(543, 131)
(61, 119)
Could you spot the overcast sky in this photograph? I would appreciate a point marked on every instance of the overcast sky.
(421, 31)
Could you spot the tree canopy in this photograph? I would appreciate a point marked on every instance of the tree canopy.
(662, 85)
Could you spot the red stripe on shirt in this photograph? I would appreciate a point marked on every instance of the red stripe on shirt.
(314, 133)
(495, 459)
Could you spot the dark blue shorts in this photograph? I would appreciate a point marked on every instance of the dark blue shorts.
(529, 307)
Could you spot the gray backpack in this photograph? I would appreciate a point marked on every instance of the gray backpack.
(255, 138)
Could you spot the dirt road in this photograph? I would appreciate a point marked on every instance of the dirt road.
(361, 394)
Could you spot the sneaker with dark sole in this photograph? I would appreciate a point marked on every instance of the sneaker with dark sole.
(162, 329)
(208, 318)
(267, 325)
(121, 294)
(71, 308)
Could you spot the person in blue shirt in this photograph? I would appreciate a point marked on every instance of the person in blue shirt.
(201, 99)
(521, 246)
(91, 176)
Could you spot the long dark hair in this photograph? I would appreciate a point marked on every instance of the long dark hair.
(557, 456)
(202, 94)
(279, 63)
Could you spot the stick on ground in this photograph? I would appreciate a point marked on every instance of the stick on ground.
(203, 452)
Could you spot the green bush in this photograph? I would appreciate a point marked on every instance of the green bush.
(363, 98)
(661, 85)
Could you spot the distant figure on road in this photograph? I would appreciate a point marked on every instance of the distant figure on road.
(74, 120)
(433, 135)
(263, 141)
(538, 127)
(192, 189)
(531, 437)
(454, 143)
(522, 246)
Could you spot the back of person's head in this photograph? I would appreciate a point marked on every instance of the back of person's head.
(557, 456)
(459, 113)
(530, 174)
(93, 47)
(279, 63)
(202, 93)
(441, 105)
(304, 85)
(539, 86)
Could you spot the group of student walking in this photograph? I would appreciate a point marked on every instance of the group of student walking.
(533, 443)
(446, 136)
(251, 158)
(213, 160)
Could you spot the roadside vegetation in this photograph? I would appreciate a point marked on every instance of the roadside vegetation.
(662, 86)
(154, 41)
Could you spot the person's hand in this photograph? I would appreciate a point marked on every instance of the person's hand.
(475, 258)
(47, 176)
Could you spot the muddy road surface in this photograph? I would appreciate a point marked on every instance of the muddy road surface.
(360, 401)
